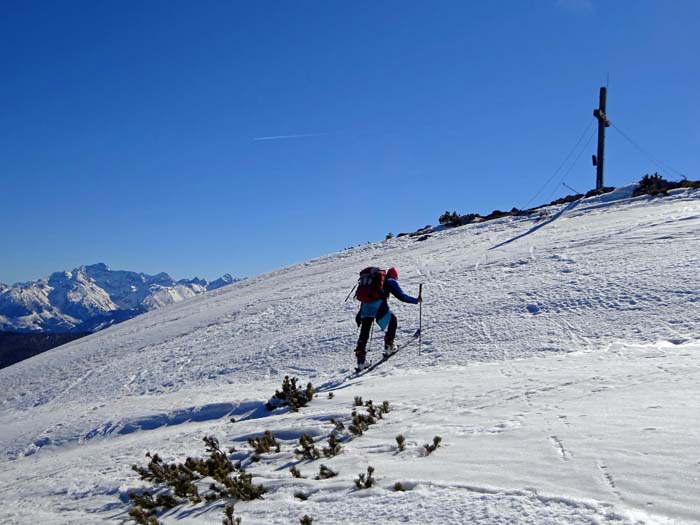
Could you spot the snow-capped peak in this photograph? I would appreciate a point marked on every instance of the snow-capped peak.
(90, 297)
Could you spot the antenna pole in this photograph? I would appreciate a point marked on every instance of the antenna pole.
(603, 123)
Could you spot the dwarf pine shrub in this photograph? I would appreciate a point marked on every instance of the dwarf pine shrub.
(331, 395)
(180, 479)
(652, 185)
(430, 448)
(372, 410)
(308, 450)
(357, 427)
(401, 442)
(449, 218)
(295, 472)
(339, 426)
(377, 412)
(656, 185)
(176, 476)
(240, 487)
(146, 506)
(143, 517)
(365, 481)
(360, 422)
(306, 520)
(217, 465)
(291, 395)
(695, 184)
(398, 487)
(265, 443)
(229, 519)
(324, 473)
(333, 447)
(146, 501)
(452, 219)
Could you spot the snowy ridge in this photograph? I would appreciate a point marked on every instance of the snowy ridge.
(89, 298)
(559, 364)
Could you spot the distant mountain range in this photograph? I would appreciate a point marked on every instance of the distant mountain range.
(93, 297)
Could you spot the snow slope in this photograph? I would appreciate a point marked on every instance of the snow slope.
(559, 364)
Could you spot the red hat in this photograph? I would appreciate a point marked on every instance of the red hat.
(392, 273)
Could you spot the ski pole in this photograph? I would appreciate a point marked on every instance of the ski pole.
(420, 318)
(348, 297)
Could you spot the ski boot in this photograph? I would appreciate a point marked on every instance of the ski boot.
(361, 356)
(389, 348)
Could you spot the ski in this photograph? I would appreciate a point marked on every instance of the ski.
(375, 364)
(372, 365)
(386, 357)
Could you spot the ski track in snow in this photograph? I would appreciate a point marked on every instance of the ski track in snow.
(558, 363)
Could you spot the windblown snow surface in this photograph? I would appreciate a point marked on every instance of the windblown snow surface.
(560, 365)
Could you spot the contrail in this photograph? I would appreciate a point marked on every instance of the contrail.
(299, 136)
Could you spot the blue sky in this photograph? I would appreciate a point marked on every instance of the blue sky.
(131, 130)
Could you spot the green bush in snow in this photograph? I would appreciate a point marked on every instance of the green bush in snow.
(365, 481)
(339, 426)
(324, 473)
(178, 482)
(146, 506)
(430, 448)
(401, 442)
(333, 447)
(291, 395)
(176, 476)
(308, 449)
(265, 443)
